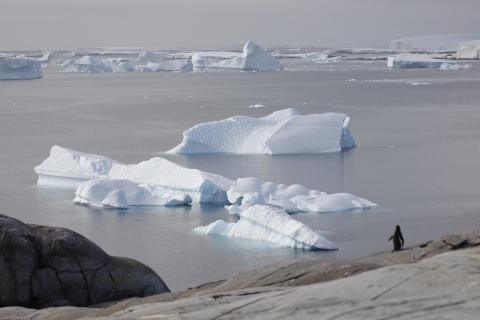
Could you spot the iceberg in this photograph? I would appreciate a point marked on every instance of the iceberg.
(67, 168)
(253, 58)
(294, 198)
(89, 64)
(439, 42)
(282, 132)
(270, 224)
(120, 194)
(411, 60)
(167, 65)
(469, 50)
(18, 68)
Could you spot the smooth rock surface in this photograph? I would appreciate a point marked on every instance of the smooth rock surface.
(47, 266)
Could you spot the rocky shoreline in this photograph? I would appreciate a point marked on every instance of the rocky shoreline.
(432, 279)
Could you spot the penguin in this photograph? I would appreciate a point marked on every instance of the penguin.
(397, 238)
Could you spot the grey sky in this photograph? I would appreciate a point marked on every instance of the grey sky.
(65, 24)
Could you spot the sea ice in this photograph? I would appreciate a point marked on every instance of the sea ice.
(438, 42)
(409, 60)
(293, 198)
(120, 194)
(68, 168)
(17, 68)
(282, 132)
(267, 223)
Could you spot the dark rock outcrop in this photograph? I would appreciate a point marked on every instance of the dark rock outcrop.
(47, 266)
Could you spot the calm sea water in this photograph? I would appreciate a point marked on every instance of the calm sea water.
(418, 154)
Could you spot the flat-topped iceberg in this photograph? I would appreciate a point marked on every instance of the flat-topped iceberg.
(120, 194)
(19, 68)
(293, 198)
(69, 168)
(146, 62)
(282, 132)
(253, 58)
(437, 42)
(411, 60)
(267, 223)
(469, 50)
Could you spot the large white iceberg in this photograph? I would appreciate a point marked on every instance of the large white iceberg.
(469, 50)
(111, 193)
(411, 60)
(438, 42)
(253, 58)
(17, 68)
(69, 168)
(293, 198)
(267, 223)
(282, 132)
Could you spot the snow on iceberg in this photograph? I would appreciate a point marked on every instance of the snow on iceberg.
(438, 42)
(121, 194)
(167, 65)
(253, 58)
(282, 132)
(17, 68)
(293, 198)
(469, 50)
(267, 223)
(68, 168)
(410, 60)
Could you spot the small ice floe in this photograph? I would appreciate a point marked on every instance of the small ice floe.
(270, 224)
(293, 198)
(282, 132)
(409, 60)
(120, 194)
(256, 106)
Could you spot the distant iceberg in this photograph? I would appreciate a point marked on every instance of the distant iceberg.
(96, 64)
(410, 60)
(120, 194)
(19, 68)
(469, 50)
(270, 224)
(253, 58)
(282, 132)
(293, 198)
(68, 169)
(438, 42)
(89, 64)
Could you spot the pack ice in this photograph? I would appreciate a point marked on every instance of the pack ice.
(411, 60)
(18, 68)
(253, 58)
(437, 42)
(270, 224)
(294, 198)
(156, 179)
(282, 132)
